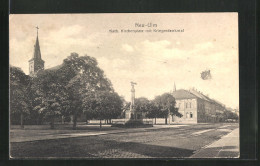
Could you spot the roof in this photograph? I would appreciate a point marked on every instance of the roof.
(218, 102)
(37, 51)
(183, 94)
(55, 67)
(229, 109)
(191, 94)
(52, 69)
(200, 95)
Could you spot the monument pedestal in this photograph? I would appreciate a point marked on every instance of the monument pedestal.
(132, 117)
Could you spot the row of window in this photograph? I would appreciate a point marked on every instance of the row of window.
(189, 115)
(201, 106)
(187, 105)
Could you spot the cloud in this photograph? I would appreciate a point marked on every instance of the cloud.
(203, 46)
(154, 61)
(156, 44)
(21, 53)
(127, 48)
(55, 45)
(162, 50)
(160, 64)
(67, 32)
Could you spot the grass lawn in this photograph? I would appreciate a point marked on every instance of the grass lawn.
(141, 143)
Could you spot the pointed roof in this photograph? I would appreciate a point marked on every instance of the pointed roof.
(37, 51)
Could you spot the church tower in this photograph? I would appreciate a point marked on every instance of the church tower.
(36, 64)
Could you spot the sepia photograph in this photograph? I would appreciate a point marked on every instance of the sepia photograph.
(124, 86)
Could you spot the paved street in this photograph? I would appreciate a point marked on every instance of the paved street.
(162, 141)
(226, 147)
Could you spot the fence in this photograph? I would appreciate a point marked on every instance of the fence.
(123, 121)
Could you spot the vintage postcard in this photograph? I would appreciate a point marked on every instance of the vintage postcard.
(124, 85)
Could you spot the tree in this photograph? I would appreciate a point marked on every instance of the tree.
(83, 80)
(230, 115)
(142, 104)
(103, 105)
(19, 102)
(75, 92)
(51, 96)
(220, 117)
(166, 106)
(62, 90)
(153, 111)
(126, 106)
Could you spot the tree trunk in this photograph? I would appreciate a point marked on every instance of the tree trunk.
(74, 122)
(166, 120)
(154, 120)
(100, 124)
(22, 126)
(52, 123)
(62, 119)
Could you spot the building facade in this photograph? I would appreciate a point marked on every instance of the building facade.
(195, 107)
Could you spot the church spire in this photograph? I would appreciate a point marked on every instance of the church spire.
(174, 89)
(37, 30)
(36, 63)
(37, 51)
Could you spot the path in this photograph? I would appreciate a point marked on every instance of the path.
(45, 135)
(226, 147)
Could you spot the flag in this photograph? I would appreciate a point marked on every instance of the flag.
(205, 75)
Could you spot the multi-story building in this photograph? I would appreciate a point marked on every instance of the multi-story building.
(196, 107)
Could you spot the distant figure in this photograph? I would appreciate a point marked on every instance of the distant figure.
(205, 75)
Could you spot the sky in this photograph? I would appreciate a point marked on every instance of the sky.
(154, 60)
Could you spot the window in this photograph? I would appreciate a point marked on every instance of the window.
(179, 105)
(190, 105)
(186, 105)
(191, 115)
(187, 115)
